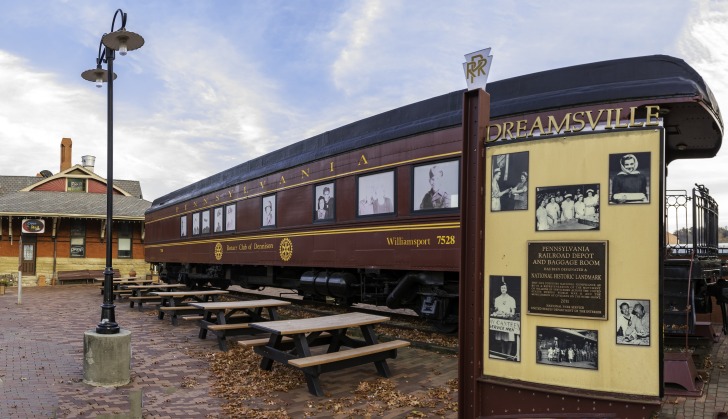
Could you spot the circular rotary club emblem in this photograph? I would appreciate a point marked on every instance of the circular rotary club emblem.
(286, 249)
(218, 251)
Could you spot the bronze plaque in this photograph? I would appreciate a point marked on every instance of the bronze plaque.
(568, 279)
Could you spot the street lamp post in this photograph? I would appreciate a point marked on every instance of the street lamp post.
(122, 41)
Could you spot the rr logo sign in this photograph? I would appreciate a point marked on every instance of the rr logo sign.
(477, 68)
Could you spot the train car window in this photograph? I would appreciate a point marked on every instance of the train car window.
(230, 217)
(375, 194)
(205, 225)
(436, 186)
(217, 220)
(509, 182)
(196, 224)
(269, 211)
(324, 208)
(183, 226)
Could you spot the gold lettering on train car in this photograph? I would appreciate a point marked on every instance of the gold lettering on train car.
(262, 184)
(217, 197)
(653, 111)
(230, 193)
(245, 190)
(194, 204)
(331, 167)
(176, 209)
(204, 200)
(632, 114)
(304, 173)
(362, 159)
(283, 180)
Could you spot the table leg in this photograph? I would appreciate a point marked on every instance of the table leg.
(207, 319)
(221, 341)
(133, 294)
(312, 378)
(274, 342)
(370, 337)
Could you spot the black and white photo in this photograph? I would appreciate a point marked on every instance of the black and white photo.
(269, 211)
(629, 178)
(436, 186)
(183, 226)
(509, 182)
(633, 322)
(196, 224)
(205, 227)
(217, 220)
(563, 347)
(505, 318)
(324, 202)
(230, 217)
(567, 207)
(376, 194)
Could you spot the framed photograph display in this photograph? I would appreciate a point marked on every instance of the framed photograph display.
(376, 194)
(183, 226)
(217, 220)
(509, 182)
(575, 348)
(436, 186)
(505, 318)
(196, 224)
(324, 202)
(633, 322)
(205, 219)
(567, 207)
(230, 217)
(269, 211)
(629, 178)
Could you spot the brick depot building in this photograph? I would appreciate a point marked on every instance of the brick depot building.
(72, 206)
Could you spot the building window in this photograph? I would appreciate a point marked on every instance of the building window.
(75, 185)
(78, 239)
(125, 235)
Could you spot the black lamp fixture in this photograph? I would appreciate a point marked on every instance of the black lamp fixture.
(122, 41)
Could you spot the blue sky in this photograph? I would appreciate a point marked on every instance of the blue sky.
(220, 82)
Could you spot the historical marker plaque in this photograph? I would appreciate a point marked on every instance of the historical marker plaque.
(568, 279)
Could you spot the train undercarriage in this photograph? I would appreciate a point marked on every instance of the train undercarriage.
(432, 295)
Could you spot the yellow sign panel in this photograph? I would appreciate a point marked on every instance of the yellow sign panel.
(572, 261)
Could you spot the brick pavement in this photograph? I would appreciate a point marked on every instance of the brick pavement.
(41, 366)
(41, 363)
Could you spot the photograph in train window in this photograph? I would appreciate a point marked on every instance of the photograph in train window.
(183, 226)
(205, 222)
(567, 207)
(575, 348)
(324, 200)
(230, 217)
(217, 220)
(436, 186)
(629, 178)
(509, 182)
(633, 322)
(376, 193)
(505, 318)
(196, 224)
(269, 211)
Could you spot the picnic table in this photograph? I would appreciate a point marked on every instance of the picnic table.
(119, 284)
(174, 301)
(227, 318)
(290, 343)
(142, 292)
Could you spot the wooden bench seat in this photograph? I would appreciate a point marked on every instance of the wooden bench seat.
(249, 343)
(145, 298)
(327, 358)
(179, 308)
(85, 275)
(228, 326)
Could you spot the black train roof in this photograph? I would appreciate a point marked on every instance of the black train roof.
(655, 76)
